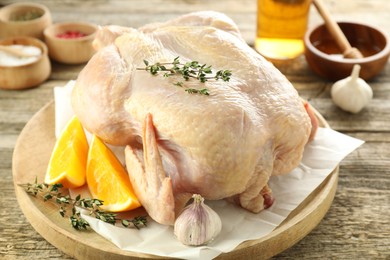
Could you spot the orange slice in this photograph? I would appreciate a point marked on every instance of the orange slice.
(68, 160)
(108, 180)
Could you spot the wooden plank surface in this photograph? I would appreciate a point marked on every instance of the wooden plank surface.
(357, 226)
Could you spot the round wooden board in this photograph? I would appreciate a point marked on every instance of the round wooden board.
(30, 160)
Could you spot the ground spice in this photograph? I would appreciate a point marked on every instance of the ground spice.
(26, 16)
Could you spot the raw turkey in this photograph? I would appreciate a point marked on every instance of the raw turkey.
(222, 146)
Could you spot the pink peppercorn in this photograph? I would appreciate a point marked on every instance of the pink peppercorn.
(71, 35)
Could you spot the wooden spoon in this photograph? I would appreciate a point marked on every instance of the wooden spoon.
(334, 29)
(15, 52)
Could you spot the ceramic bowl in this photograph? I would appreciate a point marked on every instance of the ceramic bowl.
(36, 18)
(325, 59)
(70, 50)
(28, 75)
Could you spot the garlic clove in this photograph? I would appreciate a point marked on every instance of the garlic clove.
(351, 94)
(198, 224)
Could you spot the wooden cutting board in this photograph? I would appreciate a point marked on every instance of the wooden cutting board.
(31, 156)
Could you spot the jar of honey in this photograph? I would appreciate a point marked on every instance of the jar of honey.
(281, 26)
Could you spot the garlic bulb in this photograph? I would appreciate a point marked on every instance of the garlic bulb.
(351, 94)
(198, 224)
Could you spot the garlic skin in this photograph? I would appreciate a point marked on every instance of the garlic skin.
(351, 94)
(198, 224)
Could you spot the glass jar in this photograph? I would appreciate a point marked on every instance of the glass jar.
(281, 26)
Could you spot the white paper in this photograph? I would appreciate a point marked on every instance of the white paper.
(63, 107)
(321, 157)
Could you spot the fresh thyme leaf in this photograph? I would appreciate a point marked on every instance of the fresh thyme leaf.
(223, 74)
(179, 84)
(78, 222)
(63, 211)
(65, 202)
(203, 91)
(191, 69)
(47, 196)
(176, 60)
(191, 90)
(137, 222)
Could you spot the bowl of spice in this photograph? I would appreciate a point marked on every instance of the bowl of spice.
(24, 62)
(24, 19)
(326, 58)
(70, 42)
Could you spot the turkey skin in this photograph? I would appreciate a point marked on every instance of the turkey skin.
(225, 145)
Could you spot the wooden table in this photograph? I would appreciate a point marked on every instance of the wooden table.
(357, 225)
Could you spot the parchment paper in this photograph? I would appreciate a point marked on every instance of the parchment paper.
(321, 157)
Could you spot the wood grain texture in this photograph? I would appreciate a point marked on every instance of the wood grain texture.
(356, 226)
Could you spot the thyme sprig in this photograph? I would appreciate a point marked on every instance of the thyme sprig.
(192, 69)
(68, 207)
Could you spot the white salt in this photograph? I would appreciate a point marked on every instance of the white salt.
(10, 60)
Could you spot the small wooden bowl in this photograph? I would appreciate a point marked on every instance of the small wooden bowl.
(28, 75)
(33, 28)
(325, 58)
(70, 51)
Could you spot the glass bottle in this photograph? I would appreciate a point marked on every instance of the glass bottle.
(281, 26)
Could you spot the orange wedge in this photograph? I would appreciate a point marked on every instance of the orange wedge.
(68, 160)
(108, 180)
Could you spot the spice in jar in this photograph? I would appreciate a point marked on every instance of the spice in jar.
(25, 16)
(9, 59)
(71, 35)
